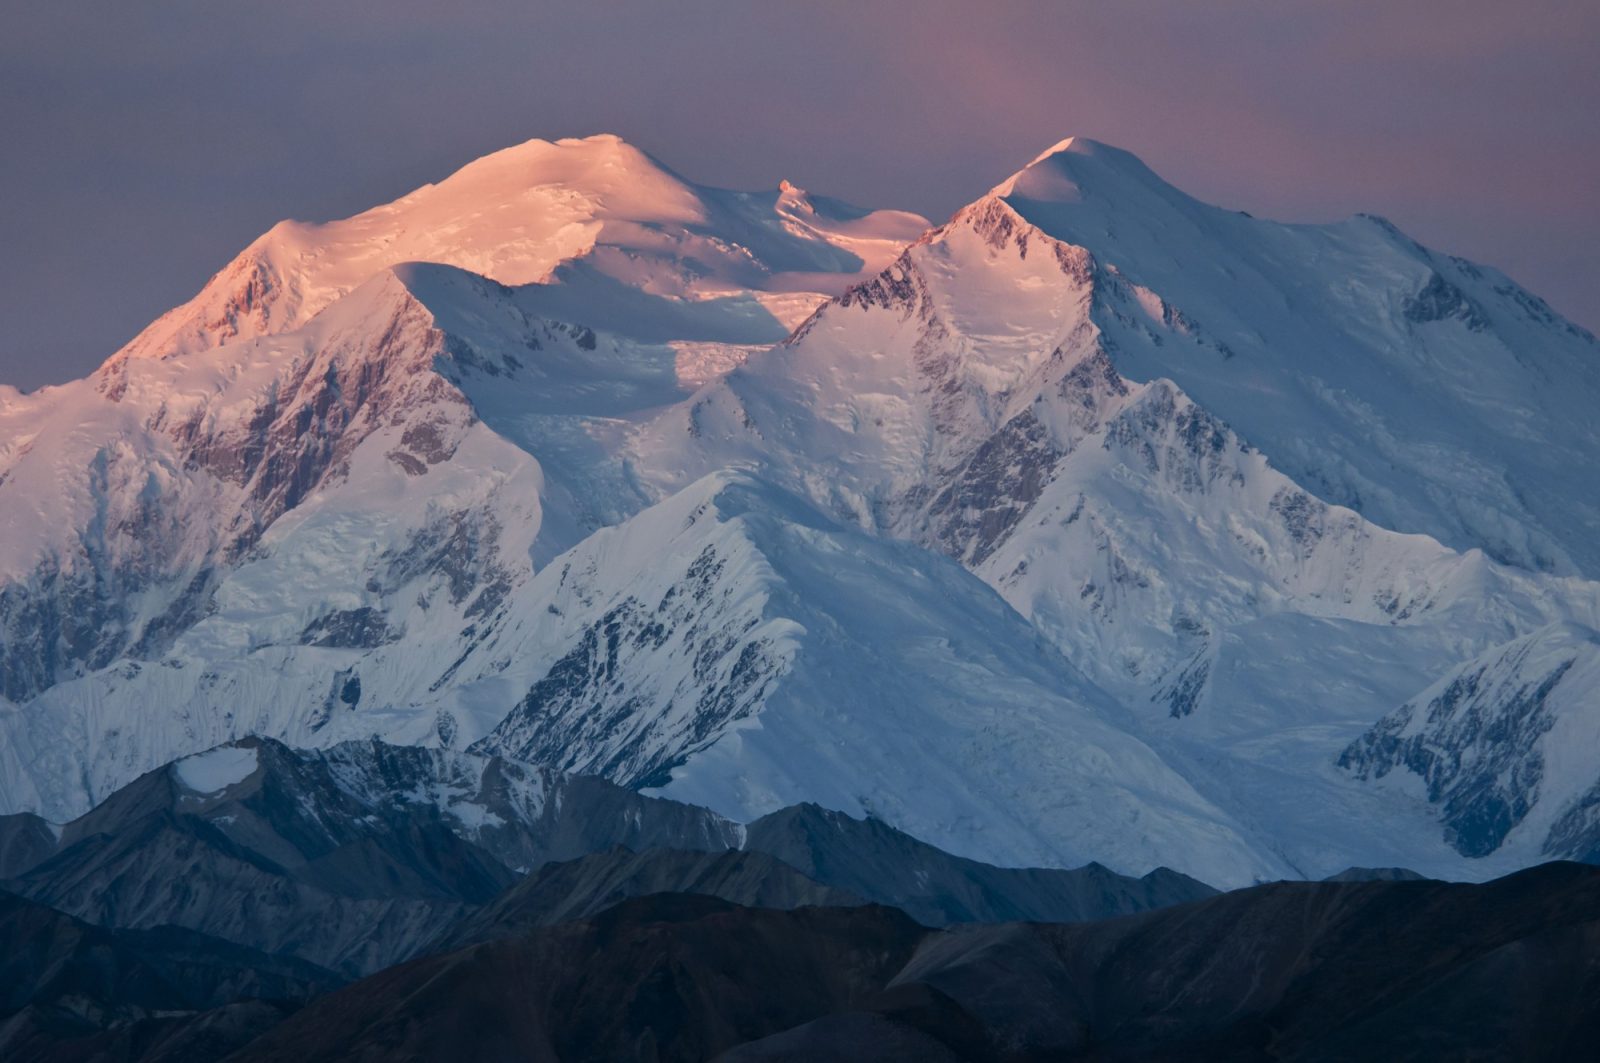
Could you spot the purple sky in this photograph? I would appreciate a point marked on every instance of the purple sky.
(142, 145)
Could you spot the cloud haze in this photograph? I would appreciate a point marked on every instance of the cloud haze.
(145, 144)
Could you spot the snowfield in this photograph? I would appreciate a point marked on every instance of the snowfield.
(216, 769)
(1095, 524)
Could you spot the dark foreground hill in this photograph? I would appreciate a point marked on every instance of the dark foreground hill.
(1381, 969)
(73, 991)
(579, 889)
(1391, 970)
(359, 856)
(218, 906)
(879, 863)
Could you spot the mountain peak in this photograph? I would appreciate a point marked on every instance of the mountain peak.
(600, 148)
(1076, 145)
(597, 168)
(517, 215)
(1062, 172)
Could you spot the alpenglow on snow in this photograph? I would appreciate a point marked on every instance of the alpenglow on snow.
(1096, 523)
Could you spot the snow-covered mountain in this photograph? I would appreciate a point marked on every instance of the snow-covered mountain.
(979, 398)
(128, 499)
(1504, 745)
(196, 453)
(1430, 394)
(595, 218)
(1237, 489)
(1455, 408)
(734, 648)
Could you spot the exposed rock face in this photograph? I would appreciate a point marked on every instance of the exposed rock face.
(1576, 835)
(351, 858)
(572, 720)
(994, 490)
(364, 628)
(281, 447)
(1493, 741)
(1439, 300)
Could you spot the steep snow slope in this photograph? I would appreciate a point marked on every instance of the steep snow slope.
(307, 528)
(1504, 745)
(598, 206)
(380, 519)
(732, 647)
(730, 644)
(126, 498)
(1429, 393)
(336, 458)
(971, 398)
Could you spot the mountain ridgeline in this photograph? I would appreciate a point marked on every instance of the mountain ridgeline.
(363, 855)
(257, 902)
(1094, 526)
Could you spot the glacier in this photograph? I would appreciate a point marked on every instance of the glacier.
(1094, 524)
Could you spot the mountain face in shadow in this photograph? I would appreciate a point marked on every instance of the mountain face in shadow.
(669, 976)
(351, 858)
(1410, 970)
(73, 991)
(582, 888)
(588, 959)
(874, 860)
(365, 854)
